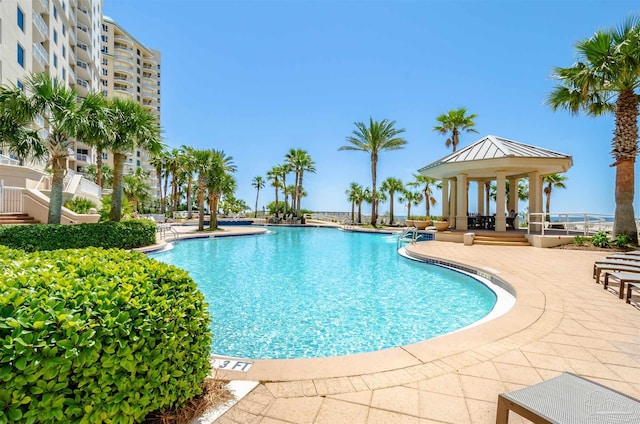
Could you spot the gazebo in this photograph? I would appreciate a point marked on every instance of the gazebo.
(496, 159)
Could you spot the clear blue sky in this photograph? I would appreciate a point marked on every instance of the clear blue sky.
(256, 78)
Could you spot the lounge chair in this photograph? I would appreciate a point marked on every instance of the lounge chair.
(623, 278)
(569, 398)
(614, 265)
(630, 288)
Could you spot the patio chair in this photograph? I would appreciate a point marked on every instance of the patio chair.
(623, 278)
(614, 265)
(568, 398)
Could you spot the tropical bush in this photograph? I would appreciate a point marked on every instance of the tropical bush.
(124, 235)
(127, 208)
(578, 241)
(96, 335)
(79, 205)
(621, 240)
(600, 239)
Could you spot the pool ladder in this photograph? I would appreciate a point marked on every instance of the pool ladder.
(409, 234)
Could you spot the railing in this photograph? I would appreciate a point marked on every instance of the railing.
(569, 223)
(45, 4)
(40, 53)
(7, 160)
(10, 199)
(82, 83)
(40, 24)
(82, 64)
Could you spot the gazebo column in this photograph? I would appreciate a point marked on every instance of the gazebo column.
(487, 198)
(480, 198)
(535, 201)
(462, 202)
(513, 194)
(501, 219)
(453, 196)
(445, 197)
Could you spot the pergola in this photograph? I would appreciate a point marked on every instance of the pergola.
(493, 159)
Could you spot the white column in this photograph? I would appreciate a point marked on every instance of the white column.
(535, 200)
(487, 198)
(453, 198)
(445, 197)
(501, 219)
(480, 198)
(462, 202)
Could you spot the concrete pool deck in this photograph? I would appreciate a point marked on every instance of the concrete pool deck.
(562, 321)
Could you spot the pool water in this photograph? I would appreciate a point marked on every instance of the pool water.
(316, 292)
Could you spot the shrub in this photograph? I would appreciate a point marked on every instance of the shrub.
(79, 205)
(96, 335)
(124, 235)
(600, 239)
(621, 240)
(578, 241)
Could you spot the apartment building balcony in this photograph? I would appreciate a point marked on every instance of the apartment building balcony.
(72, 75)
(72, 53)
(83, 51)
(83, 33)
(123, 90)
(42, 6)
(121, 80)
(123, 40)
(84, 158)
(126, 70)
(41, 57)
(83, 15)
(147, 60)
(127, 60)
(83, 69)
(71, 16)
(82, 83)
(42, 29)
(123, 50)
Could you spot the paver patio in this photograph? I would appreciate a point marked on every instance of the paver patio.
(562, 321)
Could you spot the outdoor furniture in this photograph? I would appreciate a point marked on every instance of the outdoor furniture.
(630, 288)
(614, 265)
(623, 278)
(568, 398)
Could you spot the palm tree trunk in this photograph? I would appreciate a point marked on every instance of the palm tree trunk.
(277, 202)
(255, 215)
(409, 210)
(299, 194)
(99, 168)
(214, 200)
(166, 186)
(548, 202)
(353, 206)
(625, 223)
(201, 206)
(159, 178)
(374, 166)
(58, 164)
(360, 212)
(189, 207)
(391, 208)
(115, 214)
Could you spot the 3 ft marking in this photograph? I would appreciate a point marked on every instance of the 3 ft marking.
(231, 364)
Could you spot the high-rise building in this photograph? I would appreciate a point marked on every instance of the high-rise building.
(130, 70)
(72, 41)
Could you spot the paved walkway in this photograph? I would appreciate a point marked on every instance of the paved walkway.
(562, 321)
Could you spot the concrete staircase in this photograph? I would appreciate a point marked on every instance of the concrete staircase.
(17, 219)
(501, 239)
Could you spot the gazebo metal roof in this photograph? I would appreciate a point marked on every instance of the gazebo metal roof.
(492, 154)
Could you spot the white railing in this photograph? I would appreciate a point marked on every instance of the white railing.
(10, 199)
(40, 54)
(7, 160)
(40, 24)
(569, 223)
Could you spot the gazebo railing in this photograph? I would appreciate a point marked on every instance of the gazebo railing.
(569, 223)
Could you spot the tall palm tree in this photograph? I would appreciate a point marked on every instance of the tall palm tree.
(285, 168)
(273, 175)
(354, 195)
(552, 181)
(135, 188)
(17, 136)
(64, 117)
(425, 184)
(604, 80)
(410, 198)
(95, 130)
(202, 161)
(302, 162)
(188, 166)
(133, 127)
(220, 183)
(258, 184)
(391, 185)
(157, 161)
(376, 138)
(453, 123)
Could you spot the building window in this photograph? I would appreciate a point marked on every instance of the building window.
(138, 89)
(105, 72)
(138, 60)
(138, 78)
(55, 36)
(20, 85)
(64, 31)
(138, 70)
(105, 28)
(55, 61)
(138, 163)
(138, 50)
(105, 38)
(105, 155)
(55, 12)
(137, 153)
(64, 52)
(105, 61)
(138, 98)
(20, 19)
(20, 55)
(64, 74)
(105, 50)
(104, 82)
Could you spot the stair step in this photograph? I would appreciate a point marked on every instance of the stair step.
(501, 243)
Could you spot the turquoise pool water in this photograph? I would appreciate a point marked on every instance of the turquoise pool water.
(315, 292)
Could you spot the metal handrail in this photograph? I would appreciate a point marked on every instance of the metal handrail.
(573, 222)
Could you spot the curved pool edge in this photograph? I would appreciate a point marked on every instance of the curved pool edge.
(523, 314)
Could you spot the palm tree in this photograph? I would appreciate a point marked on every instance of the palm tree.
(410, 198)
(219, 182)
(157, 161)
(135, 188)
(64, 116)
(274, 176)
(454, 122)
(391, 185)
(552, 181)
(17, 137)
(604, 80)
(378, 137)
(188, 167)
(285, 168)
(202, 160)
(258, 184)
(95, 130)
(354, 195)
(132, 127)
(426, 183)
(302, 163)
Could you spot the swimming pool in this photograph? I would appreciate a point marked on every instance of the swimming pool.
(315, 292)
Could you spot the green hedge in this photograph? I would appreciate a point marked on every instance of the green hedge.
(96, 335)
(123, 235)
